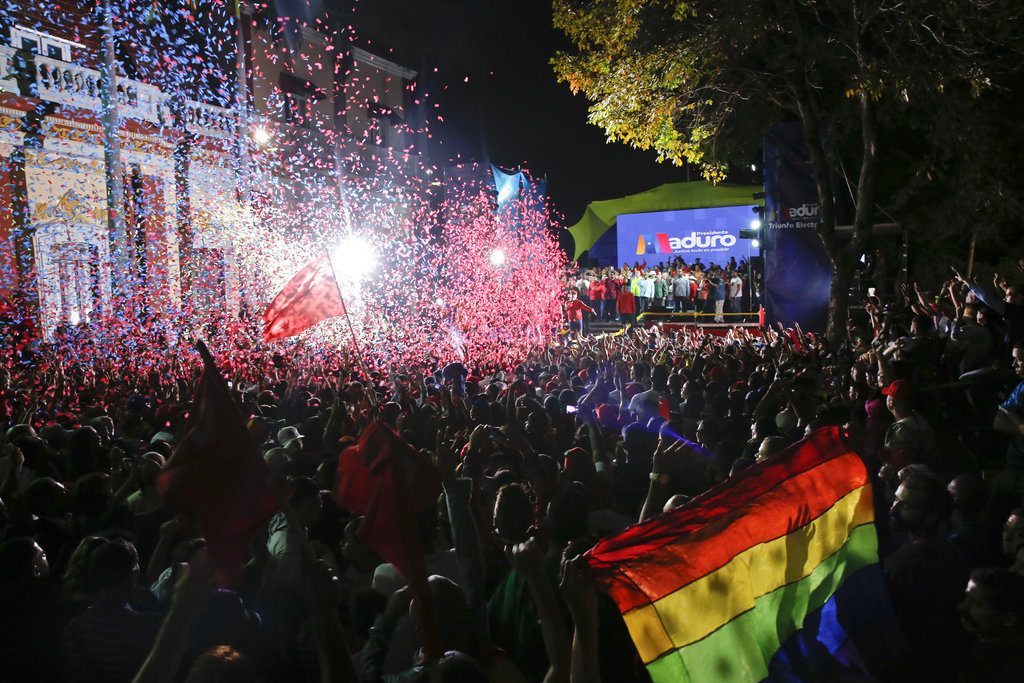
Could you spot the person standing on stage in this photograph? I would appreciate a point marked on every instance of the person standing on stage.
(596, 294)
(612, 284)
(625, 305)
(716, 294)
(660, 286)
(681, 290)
(735, 292)
(701, 278)
(644, 291)
(574, 312)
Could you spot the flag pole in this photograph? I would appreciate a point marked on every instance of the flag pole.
(372, 394)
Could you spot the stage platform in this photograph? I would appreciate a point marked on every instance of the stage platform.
(671, 320)
(674, 321)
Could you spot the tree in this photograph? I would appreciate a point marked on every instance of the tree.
(700, 81)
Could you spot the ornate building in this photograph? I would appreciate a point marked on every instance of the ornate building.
(184, 166)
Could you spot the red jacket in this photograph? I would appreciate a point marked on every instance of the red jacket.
(574, 309)
(626, 302)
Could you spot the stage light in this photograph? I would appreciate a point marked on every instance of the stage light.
(260, 135)
(353, 258)
(497, 257)
(753, 167)
(755, 224)
(755, 243)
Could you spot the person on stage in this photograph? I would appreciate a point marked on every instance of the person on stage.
(574, 312)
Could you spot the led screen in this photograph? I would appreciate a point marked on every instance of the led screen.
(713, 235)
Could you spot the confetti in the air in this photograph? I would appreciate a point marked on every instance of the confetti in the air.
(242, 151)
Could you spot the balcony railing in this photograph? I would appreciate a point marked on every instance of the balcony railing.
(61, 82)
(78, 86)
(57, 81)
(210, 120)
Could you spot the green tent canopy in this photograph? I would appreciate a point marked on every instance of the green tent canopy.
(600, 216)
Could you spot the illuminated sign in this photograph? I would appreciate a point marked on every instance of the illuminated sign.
(712, 235)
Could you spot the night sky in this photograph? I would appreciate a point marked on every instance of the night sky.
(512, 111)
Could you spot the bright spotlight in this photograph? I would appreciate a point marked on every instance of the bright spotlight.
(354, 257)
(260, 135)
(497, 257)
(439, 301)
(755, 243)
(755, 224)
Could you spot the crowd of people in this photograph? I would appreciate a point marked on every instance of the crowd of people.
(622, 294)
(100, 581)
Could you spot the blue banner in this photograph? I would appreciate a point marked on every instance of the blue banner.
(798, 271)
(705, 235)
(507, 186)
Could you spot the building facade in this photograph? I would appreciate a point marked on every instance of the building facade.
(72, 249)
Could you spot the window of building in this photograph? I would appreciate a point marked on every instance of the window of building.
(297, 109)
(299, 97)
(38, 42)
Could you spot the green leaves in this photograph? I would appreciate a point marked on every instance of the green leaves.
(686, 79)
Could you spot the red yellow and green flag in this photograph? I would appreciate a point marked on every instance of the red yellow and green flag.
(756, 574)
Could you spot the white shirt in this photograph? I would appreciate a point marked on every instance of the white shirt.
(735, 286)
(647, 404)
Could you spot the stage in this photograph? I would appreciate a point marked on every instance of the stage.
(668, 320)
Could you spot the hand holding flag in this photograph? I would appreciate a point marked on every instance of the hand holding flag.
(388, 482)
(775, 569)
(216, 477)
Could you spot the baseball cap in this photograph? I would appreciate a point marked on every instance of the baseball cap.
(162, 436)
(899, 389)
(286, 435)
(607, 415)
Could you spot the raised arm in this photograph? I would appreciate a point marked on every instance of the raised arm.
(191, 593)
(528, 560)
(581, 594)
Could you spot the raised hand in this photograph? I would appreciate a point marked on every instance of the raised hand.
(445, 457)
(193, 587)
(577, 586)
(527, 558)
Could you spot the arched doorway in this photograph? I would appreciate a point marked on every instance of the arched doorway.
(74, 278)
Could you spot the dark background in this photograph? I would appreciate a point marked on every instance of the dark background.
(512, 111)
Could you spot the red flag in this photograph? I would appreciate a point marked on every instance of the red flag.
(388, 482)
(309, 297)
(216, 477)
